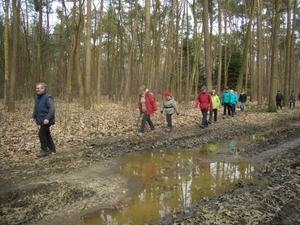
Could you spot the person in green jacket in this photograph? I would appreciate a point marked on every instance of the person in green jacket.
(216, 104)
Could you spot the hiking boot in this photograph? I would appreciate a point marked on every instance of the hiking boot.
(168, 129)
(53, 150)
(43, 153)
(202, 126)
(209, 122)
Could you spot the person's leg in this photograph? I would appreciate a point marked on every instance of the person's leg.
(225, 107)
(50, 141)
(242, 105)
(143, 123)
(232, 110)
(229, 108)
(290, 106)
(150, 122)
(204, 117)
(44, 129)
(169, 120)
(210, 116)
(215, 115)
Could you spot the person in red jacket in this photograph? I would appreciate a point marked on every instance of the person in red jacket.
(146, 106)
(205, 102)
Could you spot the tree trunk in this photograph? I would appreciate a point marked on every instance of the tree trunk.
(87, 44)
(219, 47)
(147, 55)
(207, 47)
(7, 58)
(99, 71)
(287, 84)
(14, 56)
(274, 59)
(246, 51)
(259, 53)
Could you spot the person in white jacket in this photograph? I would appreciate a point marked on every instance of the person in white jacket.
(170, 107)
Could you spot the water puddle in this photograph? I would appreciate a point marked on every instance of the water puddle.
(162, 182)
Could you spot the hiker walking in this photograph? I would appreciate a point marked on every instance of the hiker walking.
(233, 101)
(44, 116)
(146, 107)
(243, 99)
(292, 99)
(170, 107)
(216, 103)
(279, 99)
(205, 102)
(226, 98)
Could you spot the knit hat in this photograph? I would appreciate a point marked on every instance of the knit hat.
(203, 87)
(166, 94)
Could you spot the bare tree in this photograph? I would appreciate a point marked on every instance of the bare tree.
(87, 45)
(274, 59)
(259, 53)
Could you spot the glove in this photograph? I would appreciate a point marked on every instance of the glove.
(177, 114)
(161, 112)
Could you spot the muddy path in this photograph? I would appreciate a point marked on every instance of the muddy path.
(59, 188)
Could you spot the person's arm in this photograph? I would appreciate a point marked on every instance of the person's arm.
(50, 104)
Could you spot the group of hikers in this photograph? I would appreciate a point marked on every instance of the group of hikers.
(44, 110)
(293, 98)
(208, 102)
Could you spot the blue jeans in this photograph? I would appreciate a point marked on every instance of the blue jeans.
(242, 106)
(146, 118)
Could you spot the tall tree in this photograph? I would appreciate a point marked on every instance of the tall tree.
(14, 54)
(274, 57)
(147, 54)
(287, 84)
(259, 53)
(87, 45)
(207, 46)
(246, 50)
(99, 71)
(219, 46)
(6, 56)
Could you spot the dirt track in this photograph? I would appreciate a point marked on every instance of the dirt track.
(78, 179)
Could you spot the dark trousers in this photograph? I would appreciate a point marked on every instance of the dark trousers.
(232, 109)
(278, 103)
(46, 139)
(292, 104)
(169, 120)
(215, 112)
(146, 118)
(204, 117)
(226, 106)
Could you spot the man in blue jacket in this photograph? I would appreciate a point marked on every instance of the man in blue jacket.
(44, 115)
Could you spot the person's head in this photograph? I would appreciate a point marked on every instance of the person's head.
(142, 89)
(226, 88)
(213, 91)
(203, 89)
(167, 94)
(243, 89)
(292, 91)
(278, 92)
(40, 88)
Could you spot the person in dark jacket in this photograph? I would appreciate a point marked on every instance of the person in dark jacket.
(292, 99)
(146, 107)
(205, 102)
(44, 116)
(242, 99)
(279, 99)
(170, 107)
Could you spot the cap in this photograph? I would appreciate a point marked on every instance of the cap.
(166, 94)
(203, 87)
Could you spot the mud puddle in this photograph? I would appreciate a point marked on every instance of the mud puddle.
(162, 182)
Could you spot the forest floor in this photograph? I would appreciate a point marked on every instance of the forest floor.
(59, 188)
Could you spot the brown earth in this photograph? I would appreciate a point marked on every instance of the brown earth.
(79, 179)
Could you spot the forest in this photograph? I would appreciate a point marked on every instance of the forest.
(87, 51)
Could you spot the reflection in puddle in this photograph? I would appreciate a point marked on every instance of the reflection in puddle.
(171, 180)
